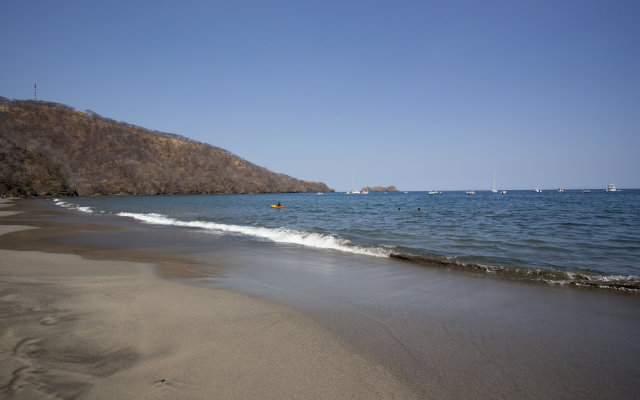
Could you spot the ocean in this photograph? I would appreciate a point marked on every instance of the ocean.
(559, 238)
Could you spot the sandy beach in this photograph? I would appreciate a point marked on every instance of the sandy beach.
(74, 327)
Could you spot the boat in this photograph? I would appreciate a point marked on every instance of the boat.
(537, 190)
(353, 191)
(586, 191)
(276, 206)
(560, 190)
(503, 191)
(471, 192)
(365, 189)
(494, 190)
(611, 188)
(434, 192)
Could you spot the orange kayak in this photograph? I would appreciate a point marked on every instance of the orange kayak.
(275, 206)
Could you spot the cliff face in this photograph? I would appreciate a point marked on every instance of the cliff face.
(48, 149)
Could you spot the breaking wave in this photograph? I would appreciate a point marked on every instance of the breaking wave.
(64, 204)
(279, 235)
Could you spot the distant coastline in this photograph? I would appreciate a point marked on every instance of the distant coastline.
(381, 188)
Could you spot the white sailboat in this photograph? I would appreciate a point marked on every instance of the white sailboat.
(494, 190)
(353, 191)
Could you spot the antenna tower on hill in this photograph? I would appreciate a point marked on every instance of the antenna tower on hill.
(35, 93)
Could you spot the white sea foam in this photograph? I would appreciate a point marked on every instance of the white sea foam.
(64, 204)
(279, 235)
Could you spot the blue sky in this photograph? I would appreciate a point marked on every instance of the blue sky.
(418, 94)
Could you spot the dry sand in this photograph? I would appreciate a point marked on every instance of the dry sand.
(77, 328)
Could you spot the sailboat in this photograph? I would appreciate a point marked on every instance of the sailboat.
(365, 189)
(353, 191)
(494, 190)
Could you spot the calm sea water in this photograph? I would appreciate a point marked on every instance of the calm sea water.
(547, 236)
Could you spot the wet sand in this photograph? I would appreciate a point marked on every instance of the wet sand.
(78, 327)
(454, 335)
(395, 329)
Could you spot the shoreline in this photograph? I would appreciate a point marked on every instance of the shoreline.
(87, 328)
(551, 275)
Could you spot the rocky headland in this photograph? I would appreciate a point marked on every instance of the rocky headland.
(381, 188)
(49, 149)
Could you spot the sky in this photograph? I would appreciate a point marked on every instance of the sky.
(422, 95)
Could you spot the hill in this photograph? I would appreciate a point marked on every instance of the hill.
(49, 149)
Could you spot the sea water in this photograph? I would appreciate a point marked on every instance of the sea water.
(556, 237)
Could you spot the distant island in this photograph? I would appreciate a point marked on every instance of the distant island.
(381, 189)
(50, 149)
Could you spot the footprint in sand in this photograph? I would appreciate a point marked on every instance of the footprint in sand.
(49, 320)
(56, 318)
(25, 346)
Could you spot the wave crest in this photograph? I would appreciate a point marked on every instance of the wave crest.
(64, 204)
(279, 235)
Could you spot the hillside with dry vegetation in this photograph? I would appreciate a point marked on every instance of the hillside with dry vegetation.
(49, 149)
